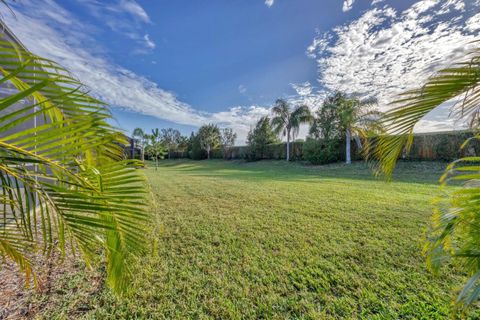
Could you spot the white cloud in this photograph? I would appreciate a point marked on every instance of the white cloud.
(242, 89)
(112, 83)
(133, 8)
(149, 43)
(473, 23)
(126, 17)
(269, 3)
(347, 5)
(385, 52)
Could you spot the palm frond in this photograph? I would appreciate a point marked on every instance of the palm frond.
(456, 221)
(62, 168)
(457, 82)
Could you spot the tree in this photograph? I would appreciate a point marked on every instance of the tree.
(326, 122)
(155, 149)
(183, 144)
(227, 140)
(63, 179)
(454, 232)
(195, 150)
(358, 119)
(170, 138)
(209, 137)
(323, 141)
(140, 140)
(155, 136)
(259, 138)
(288, 121)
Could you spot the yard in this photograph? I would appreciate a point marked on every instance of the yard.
(270, 239)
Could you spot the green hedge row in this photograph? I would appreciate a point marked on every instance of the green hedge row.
(445, 146)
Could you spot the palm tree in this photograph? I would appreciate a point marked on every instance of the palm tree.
(64, 178)
(455, 232)
(140, 140)
(156, 135)
(357, 119)
(288, 121)
(154, 146)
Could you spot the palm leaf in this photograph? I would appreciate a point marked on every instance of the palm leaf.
(458, 82)
(65, 178)
(456, 220)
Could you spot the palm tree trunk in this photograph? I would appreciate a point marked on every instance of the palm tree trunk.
(132, 149)
(208, 153)
(348, 138)
(359, 142)
(288, 145)
(142, 152)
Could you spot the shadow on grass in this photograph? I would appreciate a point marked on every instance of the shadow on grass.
(277, 170)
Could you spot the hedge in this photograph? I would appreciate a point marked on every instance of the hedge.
(442, 146)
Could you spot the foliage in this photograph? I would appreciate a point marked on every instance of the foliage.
(155, 149)
(209, 137)
(359, 119)
(141, 140)
(171, 139)
(277, 240)
(326, 122)
(321, 151)
(326, 132)
(259, 138)
(195, 150)
(288, 121)
(227, 141)
(64, 178)
(455, 232)
(183, 143)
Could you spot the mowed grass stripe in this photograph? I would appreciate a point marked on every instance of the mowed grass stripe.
(269, 239)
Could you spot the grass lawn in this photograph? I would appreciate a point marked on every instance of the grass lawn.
(275, 240)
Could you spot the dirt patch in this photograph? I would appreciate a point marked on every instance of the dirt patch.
(19, 301)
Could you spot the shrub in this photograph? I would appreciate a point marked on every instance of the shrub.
(258, 140)
(196, 152)
(318, 151)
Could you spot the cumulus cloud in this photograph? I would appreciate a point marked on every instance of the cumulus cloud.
(347, 5)
(269, 3)
(65, 39)
(385, 52)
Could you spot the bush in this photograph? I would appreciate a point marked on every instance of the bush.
(196, 151)
(321, 151)
(258, 140)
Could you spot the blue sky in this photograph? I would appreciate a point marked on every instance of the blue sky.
(183, 63)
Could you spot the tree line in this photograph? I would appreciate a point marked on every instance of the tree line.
(340, 118)
(165, 142)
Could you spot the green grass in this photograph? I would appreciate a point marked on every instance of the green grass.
(239, 240)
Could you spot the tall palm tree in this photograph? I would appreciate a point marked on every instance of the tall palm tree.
(156, 135)
(64, 179)
(357, 119)
(287, 120)
(140, 140)
(455, 230)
